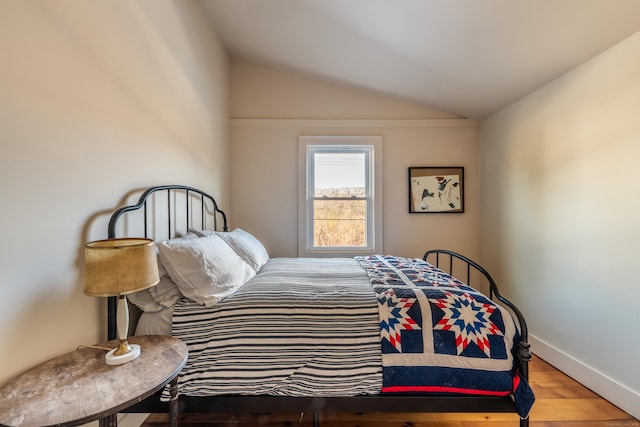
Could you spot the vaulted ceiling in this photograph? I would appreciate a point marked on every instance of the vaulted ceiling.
(465, 57)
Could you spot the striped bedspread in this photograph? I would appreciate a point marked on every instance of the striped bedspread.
(301, 327)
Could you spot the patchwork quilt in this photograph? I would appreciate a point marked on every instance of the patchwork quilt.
(439, 335)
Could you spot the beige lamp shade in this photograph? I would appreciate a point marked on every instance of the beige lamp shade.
(119, 266)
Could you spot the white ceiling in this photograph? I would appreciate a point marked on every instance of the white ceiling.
(465, 57)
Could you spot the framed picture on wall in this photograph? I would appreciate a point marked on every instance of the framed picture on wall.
(436, 189)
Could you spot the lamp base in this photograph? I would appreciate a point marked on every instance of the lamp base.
(111, 359)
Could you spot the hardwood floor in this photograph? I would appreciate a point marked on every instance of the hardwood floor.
(560, 402)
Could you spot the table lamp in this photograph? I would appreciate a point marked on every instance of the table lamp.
(114, 268)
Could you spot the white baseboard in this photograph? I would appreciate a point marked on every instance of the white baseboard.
(131, 420)
(124, 420)
(610, 389)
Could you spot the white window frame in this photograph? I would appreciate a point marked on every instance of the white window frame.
(305, 198)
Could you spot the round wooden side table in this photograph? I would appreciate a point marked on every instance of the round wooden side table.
(79, 387)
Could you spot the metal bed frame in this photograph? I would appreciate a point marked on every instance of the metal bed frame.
(209, 216)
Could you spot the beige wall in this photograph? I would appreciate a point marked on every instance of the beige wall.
(267, 121)
(560, 212)
(96, 98)
(261, 92)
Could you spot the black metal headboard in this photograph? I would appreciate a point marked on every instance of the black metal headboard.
(163, 212)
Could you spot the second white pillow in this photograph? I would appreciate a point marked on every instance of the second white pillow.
(250, 249)
(206, 269)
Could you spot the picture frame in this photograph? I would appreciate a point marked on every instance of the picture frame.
(435, 189)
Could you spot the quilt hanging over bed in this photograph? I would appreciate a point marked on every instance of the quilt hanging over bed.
(439, 335)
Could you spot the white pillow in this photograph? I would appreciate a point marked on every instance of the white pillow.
(206, 269)
(144, 301)
(247, 247)
(201, 233)
(156, 298)
(166, 292)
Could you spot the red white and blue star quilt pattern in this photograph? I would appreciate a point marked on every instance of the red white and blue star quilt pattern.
(439, 335)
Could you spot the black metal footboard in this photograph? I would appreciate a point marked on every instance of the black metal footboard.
(464, 270)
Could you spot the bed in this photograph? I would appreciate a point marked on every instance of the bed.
(319, 336)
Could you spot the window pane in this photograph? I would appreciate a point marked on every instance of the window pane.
(339, 199)
(339, 174)
(340, 223)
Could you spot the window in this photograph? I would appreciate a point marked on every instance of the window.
(340, 203)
